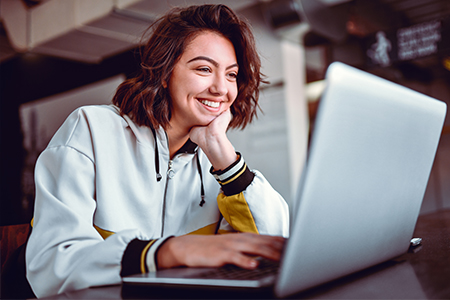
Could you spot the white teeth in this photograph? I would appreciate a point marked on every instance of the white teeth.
(212, 104)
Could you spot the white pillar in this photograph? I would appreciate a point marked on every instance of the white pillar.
(293, 58)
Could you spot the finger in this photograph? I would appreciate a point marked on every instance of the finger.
(266, 246)
(244, 261)
(224, 116)
(228, 113)
(221, 257)
(277, 242)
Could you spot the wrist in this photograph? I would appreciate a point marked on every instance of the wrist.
(235, 178)
(165, 255)
(221, 154)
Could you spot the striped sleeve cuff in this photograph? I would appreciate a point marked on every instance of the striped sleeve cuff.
(134, 257)
(234, 179)
(152, 263)
(140, 256)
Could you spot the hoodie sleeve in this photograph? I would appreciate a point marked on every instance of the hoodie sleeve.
(65, 251)
(248, 202)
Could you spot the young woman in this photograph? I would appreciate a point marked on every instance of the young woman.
(152, 181)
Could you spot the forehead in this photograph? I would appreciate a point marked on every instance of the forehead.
(211, 44)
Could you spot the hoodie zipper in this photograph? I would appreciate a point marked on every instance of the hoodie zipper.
(170, 173)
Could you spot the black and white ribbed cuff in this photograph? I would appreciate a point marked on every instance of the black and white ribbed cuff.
(139, 256)
(132, 257)
(234, 179)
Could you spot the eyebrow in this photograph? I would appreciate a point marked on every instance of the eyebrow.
(215, 63)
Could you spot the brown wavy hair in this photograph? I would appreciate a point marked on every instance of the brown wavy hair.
(144, 98)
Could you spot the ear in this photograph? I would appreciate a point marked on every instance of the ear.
(164, 84)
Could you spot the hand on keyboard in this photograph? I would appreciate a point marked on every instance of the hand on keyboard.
(238, 249)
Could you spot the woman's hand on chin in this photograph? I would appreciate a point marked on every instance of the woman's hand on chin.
(212, 139)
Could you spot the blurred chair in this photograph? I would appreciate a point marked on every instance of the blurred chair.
(13, 239)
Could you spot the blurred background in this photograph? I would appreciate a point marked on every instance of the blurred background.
(56, 55)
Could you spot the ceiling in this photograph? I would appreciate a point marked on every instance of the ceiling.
(121, 28)
(419, 11)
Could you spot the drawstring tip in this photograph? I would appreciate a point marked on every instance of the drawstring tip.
(202, 202)
(158, 177)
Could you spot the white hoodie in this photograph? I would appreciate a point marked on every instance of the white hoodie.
(100, 211)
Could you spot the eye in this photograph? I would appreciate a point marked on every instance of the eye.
(232, 75)
(204, 69)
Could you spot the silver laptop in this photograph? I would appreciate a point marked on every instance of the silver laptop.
(359, 197)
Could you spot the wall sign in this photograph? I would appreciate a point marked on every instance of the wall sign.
(418, 41)
(410, 43)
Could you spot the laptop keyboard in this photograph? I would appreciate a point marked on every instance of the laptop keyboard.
(232, 272)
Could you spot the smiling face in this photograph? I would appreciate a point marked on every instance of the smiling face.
(203, 83)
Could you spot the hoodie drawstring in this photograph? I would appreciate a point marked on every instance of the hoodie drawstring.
(202, 190)
(159, 177)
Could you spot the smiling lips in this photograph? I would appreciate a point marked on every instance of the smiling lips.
(212, 104)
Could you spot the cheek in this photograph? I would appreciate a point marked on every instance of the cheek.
(233, 95)
(182, 90)
(194, 86)
(232, 102)
(233, 92)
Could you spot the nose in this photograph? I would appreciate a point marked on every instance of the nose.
(219, 86)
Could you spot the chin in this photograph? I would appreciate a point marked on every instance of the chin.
(206, 120)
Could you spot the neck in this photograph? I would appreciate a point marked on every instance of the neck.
(177, 138)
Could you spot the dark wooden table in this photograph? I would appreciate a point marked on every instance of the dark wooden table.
(422, 273)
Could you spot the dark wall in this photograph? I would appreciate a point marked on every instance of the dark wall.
(28, 77)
